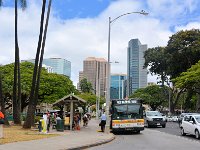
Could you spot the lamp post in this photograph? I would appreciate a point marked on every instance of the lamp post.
(108, 67)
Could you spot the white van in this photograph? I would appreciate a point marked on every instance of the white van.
(154, 118)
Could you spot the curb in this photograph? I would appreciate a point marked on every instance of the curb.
(92, 145)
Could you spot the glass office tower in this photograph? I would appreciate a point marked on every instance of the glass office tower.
(59, 65)
(136, 74)
(117, 86)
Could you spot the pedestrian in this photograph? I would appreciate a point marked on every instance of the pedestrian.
(1, 118)
(76, 122)
(85, 120)
(103, 122)
(48, 121)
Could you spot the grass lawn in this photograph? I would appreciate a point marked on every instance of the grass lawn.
(17, 133)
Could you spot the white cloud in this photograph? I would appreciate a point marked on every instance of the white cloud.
(189, 26)
(77, 39)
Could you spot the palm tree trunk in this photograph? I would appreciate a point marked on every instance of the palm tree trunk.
(16, 113)
(42, 54)
(31, 111)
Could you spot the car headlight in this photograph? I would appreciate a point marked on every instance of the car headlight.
(150, 119)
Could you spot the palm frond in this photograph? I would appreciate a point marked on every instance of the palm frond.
(1, 3)
(23, 4)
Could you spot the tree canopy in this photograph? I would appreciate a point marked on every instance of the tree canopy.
(183, 51)
(153, 95)
(189, 79)
(86, 87)
(156, 59)
(52, 86)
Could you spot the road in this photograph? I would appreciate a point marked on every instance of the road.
(173, 128)
(152, 139)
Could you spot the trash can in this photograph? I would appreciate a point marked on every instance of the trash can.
(60, 125)
(40, 126)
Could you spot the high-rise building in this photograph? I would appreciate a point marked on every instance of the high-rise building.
(81, 76)
(94, 70)
(59, 65)
(117, 86)
(48, 68)
(136, 74)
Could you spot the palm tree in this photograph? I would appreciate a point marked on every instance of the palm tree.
(31, 110)
(17, 78)
(42, 54)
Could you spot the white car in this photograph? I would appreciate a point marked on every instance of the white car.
(175, 118)
(191, 125)
(169, 118)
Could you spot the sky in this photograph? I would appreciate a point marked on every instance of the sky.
(79, 29)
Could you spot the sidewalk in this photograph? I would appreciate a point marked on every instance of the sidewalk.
(86, 137)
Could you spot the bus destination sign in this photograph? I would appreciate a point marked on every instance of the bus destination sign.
(127, 101)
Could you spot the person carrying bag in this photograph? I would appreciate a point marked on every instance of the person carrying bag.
(103, 122)
(1, 118)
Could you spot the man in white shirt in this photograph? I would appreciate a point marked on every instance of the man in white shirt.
(103, 122)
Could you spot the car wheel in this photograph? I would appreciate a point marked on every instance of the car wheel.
(164, 125)
(197, 134)
(148, 126)
(182, 132)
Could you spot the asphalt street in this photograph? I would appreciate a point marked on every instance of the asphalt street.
(153, 139)
(173, 128)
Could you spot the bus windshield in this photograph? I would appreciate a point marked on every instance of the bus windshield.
(127, 111)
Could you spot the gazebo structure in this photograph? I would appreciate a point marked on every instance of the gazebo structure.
(72, 101)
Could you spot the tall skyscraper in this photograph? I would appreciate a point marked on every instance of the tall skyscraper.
(117, 86)
(94, 70)
(59, 65)
(81, 76)
(136, 74)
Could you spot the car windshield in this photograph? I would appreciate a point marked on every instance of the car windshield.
(197, 118)
(153, 113)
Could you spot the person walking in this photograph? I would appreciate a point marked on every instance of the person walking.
(103, 122)
(48, 121)
(85, 120)
(1, 118)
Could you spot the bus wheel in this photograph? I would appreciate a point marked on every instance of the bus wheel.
(138, 132)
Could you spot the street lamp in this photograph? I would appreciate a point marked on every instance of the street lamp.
(108, 68)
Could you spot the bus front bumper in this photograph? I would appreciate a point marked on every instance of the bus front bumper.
(128, 129)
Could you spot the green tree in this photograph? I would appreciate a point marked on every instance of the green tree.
(52, 86)
(86, 87)
(190, 80)
(153, 95)
(183, 51)
(156, 60)
(89, 97)
(2, 102)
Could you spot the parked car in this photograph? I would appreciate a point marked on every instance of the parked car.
(191, 125)
(164, 117)
(169, 118)
(154, 118)
(182, 116)
(175, 118)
